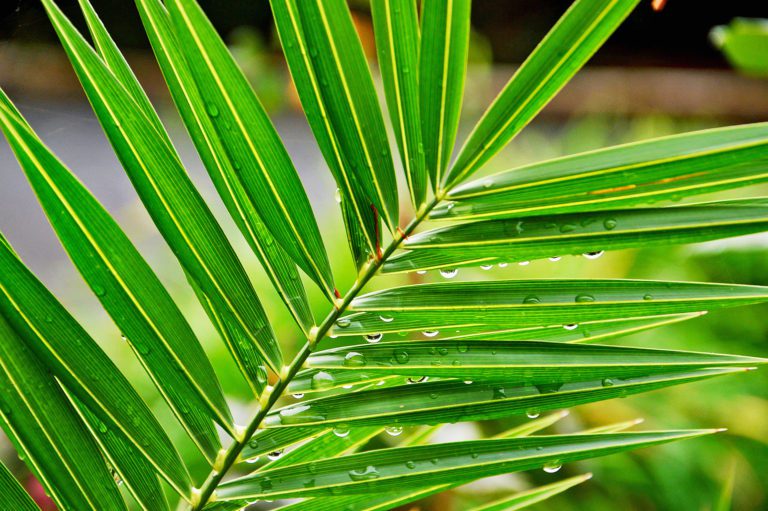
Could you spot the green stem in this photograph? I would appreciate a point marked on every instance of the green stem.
(233, 451)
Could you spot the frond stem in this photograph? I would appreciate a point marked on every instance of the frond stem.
(203, 495)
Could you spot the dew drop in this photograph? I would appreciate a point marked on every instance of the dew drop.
(419, 379)
(503, 265)
(337, 195)
(486, 266)
(487, 183)
(554, 259)
(380, 383)
(584, 298)
(593, 255)
(552, 467)
(393, 430)
(123, 337)
(275, 454)
(343, 322)
(341, 431)
(571, 326)
(102, 427)
(430, 333)
(365, 474)
(607, 382)
(252, 460)
(322, 381)
(410, 464)
(421, 272)
(648, 297)
(401, 356)
(297, 396)
(462, 348)
(524, 263)
(531, 299)
(532, 413)
(354, 359)
(212, 109)
(373, 338)
(346, 387)
(449, 273)
(468, 382)
(610, 223)
(387, 319)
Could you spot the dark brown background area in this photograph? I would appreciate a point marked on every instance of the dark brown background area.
(675, 37)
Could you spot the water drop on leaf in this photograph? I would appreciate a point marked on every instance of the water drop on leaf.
(449, 273)
(393, 430)
(373, 338)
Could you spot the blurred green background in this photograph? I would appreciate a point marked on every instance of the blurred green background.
(659, 75)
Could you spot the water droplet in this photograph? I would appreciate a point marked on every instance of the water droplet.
(102, 428)
(421, 272)
(401, 356)
(468, 382)
(341, 431)
(212, 109)
(365, 474)
(430, 333)
(123, 337)
(555, 259)
(419, 379)
(607, 382)
(373, 338)
(343, 322)
(503, 265)
(462, 348)
(487, 183)
(387, 319)
(610, 223)
(410, 464)
(116, 477)
(531, 299)
(499, 393)
(593, 255)
(552, 467)
(354, 359)
(584, 298)
(380, 383)
(252, 460)
(297, 396)
(100, 291)
(524, 263)
(337, 195)
(449, 273)
(567, 228)
(486, 266)
(532, 413)
(322, 381)
(571, 326)
(393, 430)
(346, 387)
(648, 297)
(266, 484)
(275, 454)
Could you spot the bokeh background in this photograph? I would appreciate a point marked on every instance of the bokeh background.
(659, 74)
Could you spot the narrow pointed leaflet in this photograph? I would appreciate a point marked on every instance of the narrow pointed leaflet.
(279, 266)
(172, 201)
(54, 336)
(396, 27)
(566, 48)
(15, 496)
(350, 101)
(360, 220)
(445, 27)
(126, 286)
(263, 168)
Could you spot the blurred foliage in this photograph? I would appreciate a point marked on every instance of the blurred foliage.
(745, 43)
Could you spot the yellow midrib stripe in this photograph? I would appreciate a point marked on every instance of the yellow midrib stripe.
(444, 92)
(246, 135)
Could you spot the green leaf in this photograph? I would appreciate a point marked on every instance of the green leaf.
(261, 163)
(359, 219)
(396, 28)
(529, 303)
(566, 48)
(350, 101)
(128, 463)
(533, 496)
(76, 360)
(45, 429)
(532, 362)
(442, 69)
(530, 427)
(589, 233)
(13, 494)
(276, 262)
(126, 286)
(174, 204)
(455, 401)
(427, 465)
(744, 42)
(666, 168)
